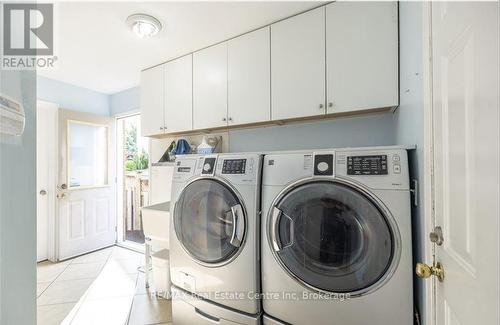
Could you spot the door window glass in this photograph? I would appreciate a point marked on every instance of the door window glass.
(88, 154)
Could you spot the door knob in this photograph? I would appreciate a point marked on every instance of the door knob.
(425, 271)
(43, 192)
(61, 195)
(63, 186)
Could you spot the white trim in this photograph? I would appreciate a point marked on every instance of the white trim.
(429, 297)
(127, 113)
(132, 246)
(53, 217)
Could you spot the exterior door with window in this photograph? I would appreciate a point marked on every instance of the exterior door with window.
(86, 188)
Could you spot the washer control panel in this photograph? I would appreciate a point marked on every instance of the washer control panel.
(367, 165)
(234, 166)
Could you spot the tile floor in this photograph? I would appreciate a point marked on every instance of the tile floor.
(103, 287)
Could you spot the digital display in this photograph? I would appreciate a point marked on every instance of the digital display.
(367, 165)
(234, 166)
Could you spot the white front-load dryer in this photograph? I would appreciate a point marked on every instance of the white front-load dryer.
(215, 231)
(336, 237)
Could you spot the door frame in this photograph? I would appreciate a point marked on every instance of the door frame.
(428, 312)
(120, 238)
(52, 217)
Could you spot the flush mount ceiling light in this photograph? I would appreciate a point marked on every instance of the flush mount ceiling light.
(144, 25)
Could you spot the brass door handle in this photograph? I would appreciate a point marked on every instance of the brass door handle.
(425, 271)
(61, 195)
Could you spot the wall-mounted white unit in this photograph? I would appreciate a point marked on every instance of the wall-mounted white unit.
(12, 118)
(152, 101)
(334, 60)
(210, 87)
(249, 78)
(166, 97)
(298, 66)
(361, 56)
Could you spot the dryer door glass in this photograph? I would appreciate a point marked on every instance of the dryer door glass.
(208, 221)
(332, 237)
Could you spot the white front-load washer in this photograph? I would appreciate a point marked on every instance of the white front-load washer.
(215, 232)
(336, 237)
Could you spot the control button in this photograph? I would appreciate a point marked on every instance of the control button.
(323, 166)
(396, 169)
(207, 167)
(395, 158)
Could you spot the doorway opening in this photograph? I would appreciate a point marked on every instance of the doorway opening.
(132, 180)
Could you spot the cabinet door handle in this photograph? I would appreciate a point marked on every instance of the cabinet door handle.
(223, 119)
(321, 106)
(230, 119)
(161, 127)
(330, 104)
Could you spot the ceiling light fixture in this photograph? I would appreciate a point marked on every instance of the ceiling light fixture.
(144, 25)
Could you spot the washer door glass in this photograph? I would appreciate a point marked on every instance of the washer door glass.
(209, 221)
(331, 237)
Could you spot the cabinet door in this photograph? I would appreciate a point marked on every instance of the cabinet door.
(298, 65)
(249, 78)
(152, 101)
(210, 87)
(362, 55)
(179, 94)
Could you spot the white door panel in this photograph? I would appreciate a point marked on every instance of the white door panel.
(87, 207)
(210, 87)
(152, 101)
(179, 94)
(361, 55)
(466, 160)
(249, 78)
(298, 66)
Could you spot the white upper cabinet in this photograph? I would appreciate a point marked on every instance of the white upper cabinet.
(249, 78)
(362, 55)
(179, 94)
(298, 65)
(152, 101)
(338, 58)
(210, 87)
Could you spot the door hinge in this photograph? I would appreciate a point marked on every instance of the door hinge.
(414, 191)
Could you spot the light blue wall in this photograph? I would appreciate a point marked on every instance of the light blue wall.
(126, 101)
(18, 207)
(343, 132)
(73, 97)
(409, 118)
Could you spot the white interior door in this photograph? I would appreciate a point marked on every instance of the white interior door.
(466, 160)
(87, 209)
(46, 164)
